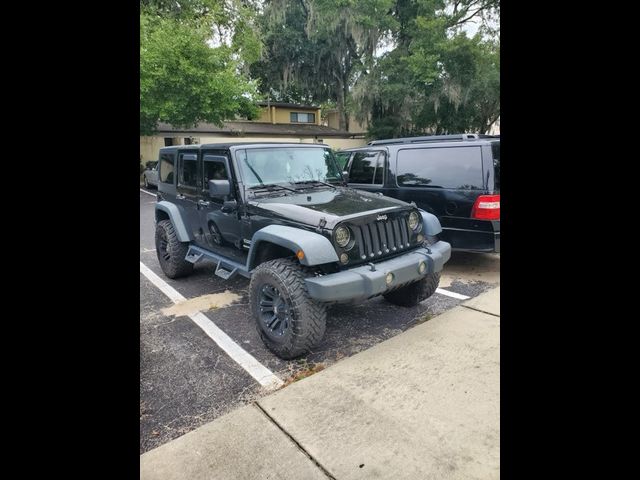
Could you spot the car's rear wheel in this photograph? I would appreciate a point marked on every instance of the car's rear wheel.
(171, 251)
(289, 322)
(414, 293)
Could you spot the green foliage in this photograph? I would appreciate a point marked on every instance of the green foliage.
(197, 58)
(437, 79)
(313, 49)
(183, 79)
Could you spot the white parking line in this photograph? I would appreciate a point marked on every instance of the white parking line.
(262, 374)
(451, 294)
(148, 193)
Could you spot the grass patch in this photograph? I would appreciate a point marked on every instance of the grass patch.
(305, 372)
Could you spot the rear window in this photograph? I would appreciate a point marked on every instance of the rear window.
(495, 147)
(167, 167)
(452, 167)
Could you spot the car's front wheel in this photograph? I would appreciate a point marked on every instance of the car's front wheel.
(414, 293)
(289, 322)
(171, 251)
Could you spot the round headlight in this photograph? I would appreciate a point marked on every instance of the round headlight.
(342, 236)
(414, 221)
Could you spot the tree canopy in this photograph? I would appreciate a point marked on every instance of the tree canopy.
(193, 63)
(406, 66)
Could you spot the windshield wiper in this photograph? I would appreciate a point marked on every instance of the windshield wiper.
(270, 187)
(305, 182)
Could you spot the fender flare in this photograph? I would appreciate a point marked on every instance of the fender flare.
(176, 219)
(431, 224)
(317, 249)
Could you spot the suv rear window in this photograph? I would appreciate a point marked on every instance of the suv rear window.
(495, 147)
(451, 167)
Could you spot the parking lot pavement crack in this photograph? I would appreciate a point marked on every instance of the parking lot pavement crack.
(478, 310)
(308, 455)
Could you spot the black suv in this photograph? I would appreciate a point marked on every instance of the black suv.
(281, 215)
(455, 177)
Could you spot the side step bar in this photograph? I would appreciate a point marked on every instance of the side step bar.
(226, 268)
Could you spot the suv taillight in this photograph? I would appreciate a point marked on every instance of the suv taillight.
(487, 207)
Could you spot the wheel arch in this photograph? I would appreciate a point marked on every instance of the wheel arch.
(278, 239)
(168, 211)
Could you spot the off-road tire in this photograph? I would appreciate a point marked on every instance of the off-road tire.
(307, 320)
(171, 257)
(414, 293)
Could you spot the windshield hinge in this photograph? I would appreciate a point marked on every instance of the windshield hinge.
(321, 224)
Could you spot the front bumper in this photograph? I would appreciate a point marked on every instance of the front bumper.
(361, 282)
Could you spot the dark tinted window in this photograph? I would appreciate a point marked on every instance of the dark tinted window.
(342, 158)
(495, 147)
(363, 167)
(166, 167)
(453, 167)
(214, 170)
(188, 170)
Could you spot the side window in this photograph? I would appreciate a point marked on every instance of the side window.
(342, 158)
(167, 167)
(363, 167)
(188, 170)
(451, 167)
(214, 170)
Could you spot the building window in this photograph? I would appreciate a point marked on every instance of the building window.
(297, 117)
(168, 141)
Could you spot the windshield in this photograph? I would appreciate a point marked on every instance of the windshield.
(264, 166)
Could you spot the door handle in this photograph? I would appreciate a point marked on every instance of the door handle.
(202, 203)
(180, 197)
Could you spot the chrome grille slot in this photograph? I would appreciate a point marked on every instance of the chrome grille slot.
(396, 231)
(405, 233)
(392, 243)
(367, 240)
(376, 241)
(359, 242)
(384, 244)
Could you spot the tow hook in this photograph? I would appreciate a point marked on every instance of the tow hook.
(373, 267)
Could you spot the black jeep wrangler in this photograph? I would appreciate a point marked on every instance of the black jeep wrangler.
(280, 214)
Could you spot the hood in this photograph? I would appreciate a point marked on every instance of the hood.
(334, 205)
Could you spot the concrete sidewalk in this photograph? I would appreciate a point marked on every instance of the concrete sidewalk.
(422, 405)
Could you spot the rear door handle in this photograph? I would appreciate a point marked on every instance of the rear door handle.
(180, 197)
(202, 203)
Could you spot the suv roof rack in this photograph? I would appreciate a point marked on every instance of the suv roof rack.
(432, 138)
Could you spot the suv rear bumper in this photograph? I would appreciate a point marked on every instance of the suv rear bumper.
(360, 283)
(473, 236)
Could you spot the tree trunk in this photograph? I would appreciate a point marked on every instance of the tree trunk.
(342, 114)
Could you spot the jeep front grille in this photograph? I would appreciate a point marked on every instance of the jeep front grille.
(380, 238)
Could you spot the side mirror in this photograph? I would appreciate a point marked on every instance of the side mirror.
(229, 206)
(219, 188)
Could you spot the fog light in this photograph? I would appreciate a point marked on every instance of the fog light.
(422, 267)
(344, 258)
(420, 238)
(389, 278)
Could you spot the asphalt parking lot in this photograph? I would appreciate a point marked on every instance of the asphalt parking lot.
(188, 379)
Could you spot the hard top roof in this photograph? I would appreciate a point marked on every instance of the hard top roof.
(227, 145)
